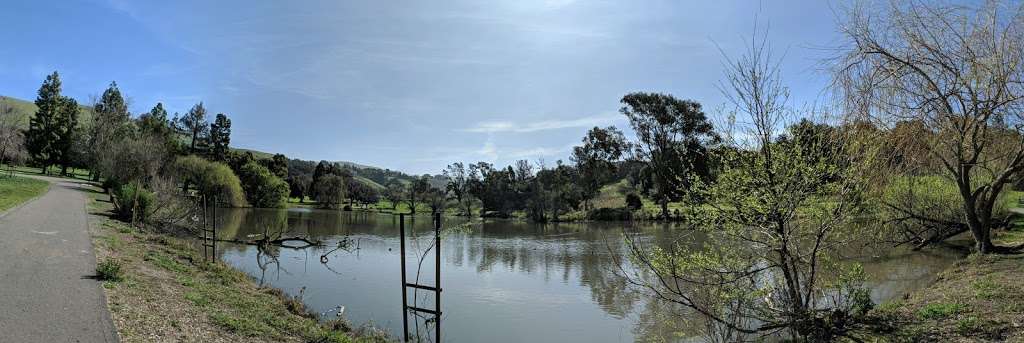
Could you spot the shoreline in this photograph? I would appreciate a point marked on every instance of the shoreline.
(978, 299)
(167, 293)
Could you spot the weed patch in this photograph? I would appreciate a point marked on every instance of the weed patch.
(109, 270)
(940, 310)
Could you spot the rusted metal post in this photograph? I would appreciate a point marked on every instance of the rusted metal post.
(405, 303)
(437, 277)
(206, 249)
(213, 234)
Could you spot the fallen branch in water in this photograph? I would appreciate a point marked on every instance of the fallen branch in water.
(343, 244)
(279, 242)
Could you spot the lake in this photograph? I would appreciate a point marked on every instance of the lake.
(503, 280)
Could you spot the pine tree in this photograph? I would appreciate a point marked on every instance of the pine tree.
(49, 135)
(112, 106)
(109, 124)
(155, 122)
(68, 121)
(220, 137)
(194, 122)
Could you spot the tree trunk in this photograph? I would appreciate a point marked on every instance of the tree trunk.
(63, 170)
(980, 229)
(978, 223)
(664, 208)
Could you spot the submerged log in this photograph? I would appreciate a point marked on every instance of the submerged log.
(278, 242)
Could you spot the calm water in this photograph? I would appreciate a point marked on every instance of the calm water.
(504, 281)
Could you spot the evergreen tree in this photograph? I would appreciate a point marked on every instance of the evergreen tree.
(49, 135)
(278, 165)
(194, 123)
(110, 124)
(220, 137)
(155, 121)
(112, 106)
(66, 133)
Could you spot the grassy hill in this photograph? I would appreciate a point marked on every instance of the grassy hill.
(25, 109)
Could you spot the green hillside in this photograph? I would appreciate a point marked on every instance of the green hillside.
(22, 109)
(371, 183)
(25, 109)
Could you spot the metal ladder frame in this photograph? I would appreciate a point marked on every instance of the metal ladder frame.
(209, 232)
(436, 288)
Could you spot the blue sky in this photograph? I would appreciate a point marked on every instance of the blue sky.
(406, 85)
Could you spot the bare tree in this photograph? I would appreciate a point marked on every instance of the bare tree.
(12, 140)
(957, 70)
(760, 270)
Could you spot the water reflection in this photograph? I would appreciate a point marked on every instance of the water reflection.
(504, 281)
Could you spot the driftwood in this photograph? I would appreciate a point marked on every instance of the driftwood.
(343, 244)
(278, 242)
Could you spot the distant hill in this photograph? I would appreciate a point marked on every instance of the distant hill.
(25, 109)
(263, 154)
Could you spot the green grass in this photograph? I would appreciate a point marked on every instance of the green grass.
(75, 173)
(15, 190)
(940, 310)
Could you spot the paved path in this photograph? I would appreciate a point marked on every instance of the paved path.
(47, 293)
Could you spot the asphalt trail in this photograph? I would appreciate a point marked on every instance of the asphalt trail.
(47, 288)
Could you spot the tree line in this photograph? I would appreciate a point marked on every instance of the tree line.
(922, 140)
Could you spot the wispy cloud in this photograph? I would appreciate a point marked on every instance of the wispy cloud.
(536, 152)
(489, 150)
(544, 125)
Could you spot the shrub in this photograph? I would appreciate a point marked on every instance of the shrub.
(262, 188)
(133, 202)
(633, 202)
(212, 179)
(610, 214)
(109, 270)
(932, 196)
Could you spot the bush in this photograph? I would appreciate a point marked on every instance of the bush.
(610, 214)
(936, 197)
(108, 270)
(931, 196)
(132, 202)
(263, 188)
(633, 202)
(212, 179)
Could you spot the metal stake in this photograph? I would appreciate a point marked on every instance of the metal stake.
(405, 302)
(437, 277)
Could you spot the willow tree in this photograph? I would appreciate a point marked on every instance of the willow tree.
(771, 223)
(956, 71)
